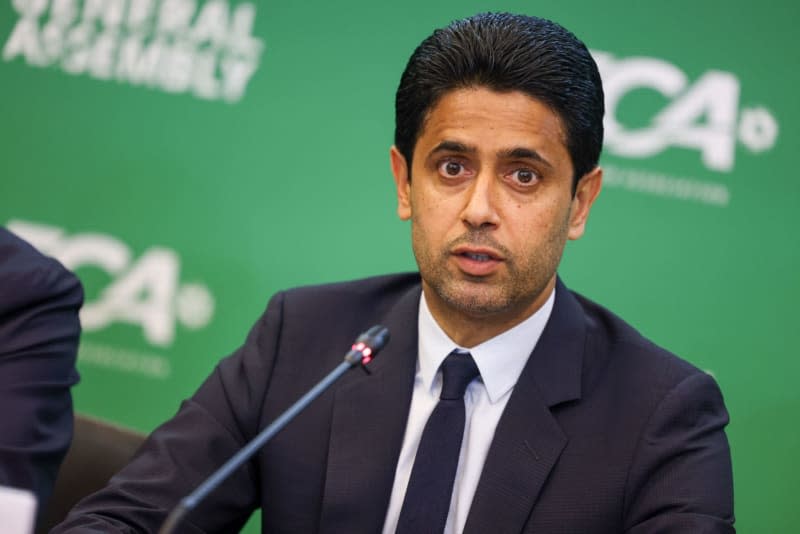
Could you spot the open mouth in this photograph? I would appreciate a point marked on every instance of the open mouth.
(476, 253)
(476, 257)
(480, 262)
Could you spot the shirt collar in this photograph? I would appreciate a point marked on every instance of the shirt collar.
(500, 359)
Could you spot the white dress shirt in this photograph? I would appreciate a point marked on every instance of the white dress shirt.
(500, 361)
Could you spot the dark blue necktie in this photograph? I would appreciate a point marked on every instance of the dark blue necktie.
(430, 487)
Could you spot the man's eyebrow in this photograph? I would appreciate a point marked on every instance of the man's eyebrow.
(523, 153)
(453, 146)
(511, 153)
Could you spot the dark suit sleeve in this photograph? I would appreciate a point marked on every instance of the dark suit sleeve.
(39, 331)
(208, 429)
(681, 479)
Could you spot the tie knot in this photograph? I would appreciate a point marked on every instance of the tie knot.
(458, 370)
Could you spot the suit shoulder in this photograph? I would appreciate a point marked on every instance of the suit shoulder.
(371, 292)
(625, 348)
(27, 275)
(345, 307)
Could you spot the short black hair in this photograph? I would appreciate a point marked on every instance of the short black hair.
(506, 52)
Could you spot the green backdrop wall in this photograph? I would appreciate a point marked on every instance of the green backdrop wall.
(187, 159)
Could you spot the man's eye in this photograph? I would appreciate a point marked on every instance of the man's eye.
(451, 168)
(524, 176)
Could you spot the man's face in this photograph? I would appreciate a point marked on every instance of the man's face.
(490, 201)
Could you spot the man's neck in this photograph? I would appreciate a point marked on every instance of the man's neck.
(469, 330)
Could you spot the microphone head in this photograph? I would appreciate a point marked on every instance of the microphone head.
(367, 345)
(375, 338)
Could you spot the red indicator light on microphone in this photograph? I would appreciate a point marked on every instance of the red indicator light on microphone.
(366, 352)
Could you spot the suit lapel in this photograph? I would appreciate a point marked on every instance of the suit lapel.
(528, 439)
(367, 427)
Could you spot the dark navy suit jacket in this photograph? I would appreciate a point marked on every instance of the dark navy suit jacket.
(603, 433)
(39, 331)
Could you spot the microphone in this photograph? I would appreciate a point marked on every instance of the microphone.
(362, 352)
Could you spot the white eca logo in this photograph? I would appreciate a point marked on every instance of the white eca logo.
(701, 115)
(143, 291)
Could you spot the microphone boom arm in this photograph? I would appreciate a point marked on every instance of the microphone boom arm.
(363, 351)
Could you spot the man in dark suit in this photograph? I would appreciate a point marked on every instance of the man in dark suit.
(39, 331)
(571, 421)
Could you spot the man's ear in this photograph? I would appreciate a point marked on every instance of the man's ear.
(585, 194)
(402, 181)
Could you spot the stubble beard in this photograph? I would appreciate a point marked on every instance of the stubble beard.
(506, 293)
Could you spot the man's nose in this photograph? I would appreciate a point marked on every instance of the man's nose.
(480, 208)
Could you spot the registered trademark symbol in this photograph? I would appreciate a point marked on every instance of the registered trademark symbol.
(194, 305)
(758, 129)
